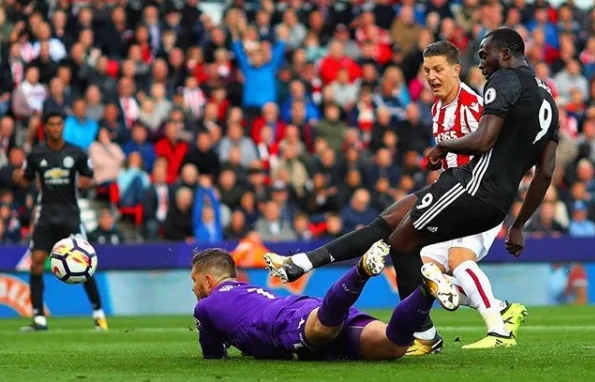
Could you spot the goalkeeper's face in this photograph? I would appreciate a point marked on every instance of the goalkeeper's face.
(203, 283)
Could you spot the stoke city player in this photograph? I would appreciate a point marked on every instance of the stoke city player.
(266, 326)
(57, 165)
(518, 129)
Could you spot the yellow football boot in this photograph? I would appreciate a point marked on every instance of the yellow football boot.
(513, 316)
(423, 347)
(493, 340)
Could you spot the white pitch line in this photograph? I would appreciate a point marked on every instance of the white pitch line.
(123, 331)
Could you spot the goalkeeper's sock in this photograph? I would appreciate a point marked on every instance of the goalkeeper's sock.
(93, 293)
(340, 297)
(408, 317)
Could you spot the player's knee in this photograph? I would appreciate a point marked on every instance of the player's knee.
(457, 256)
(324, 333)
(36, 268)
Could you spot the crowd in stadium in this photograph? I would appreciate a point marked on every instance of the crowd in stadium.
(296, 120)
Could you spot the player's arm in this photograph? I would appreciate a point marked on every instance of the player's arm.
(541, 181)
(24, 176)
(211, 344)
(85, 171)
(478, 142)
(501, 93)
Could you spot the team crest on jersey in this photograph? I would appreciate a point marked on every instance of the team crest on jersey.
(490, 95)
(68, 162)
(43, 163)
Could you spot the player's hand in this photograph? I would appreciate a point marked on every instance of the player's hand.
(515, 241)
(435, 156)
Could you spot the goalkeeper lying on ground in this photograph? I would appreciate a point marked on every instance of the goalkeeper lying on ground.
(262, 325)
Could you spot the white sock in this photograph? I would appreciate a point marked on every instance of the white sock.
(463, 299)
(98, 314)
(427, 335)
(478, 289)
(40, 320)
(302, 261)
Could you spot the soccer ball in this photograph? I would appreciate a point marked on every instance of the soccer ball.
(73, 260)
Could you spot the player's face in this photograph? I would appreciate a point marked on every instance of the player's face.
(442, 77)
(489, 58)
(202, 283)
(54, 128)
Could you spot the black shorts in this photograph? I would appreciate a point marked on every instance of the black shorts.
(46, 235)
(445, 211)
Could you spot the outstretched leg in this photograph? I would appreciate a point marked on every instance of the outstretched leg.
(324, 323)
(346, 247)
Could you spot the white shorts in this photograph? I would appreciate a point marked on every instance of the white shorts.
(480, 244)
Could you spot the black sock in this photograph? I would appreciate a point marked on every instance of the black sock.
(408, 269)
(36, 288)
(352, 245)
(93, 293)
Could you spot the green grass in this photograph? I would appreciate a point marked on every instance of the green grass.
(554, 344)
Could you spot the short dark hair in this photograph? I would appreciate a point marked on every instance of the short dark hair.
(215, 259)
(51, 114)
(506, 38)
(446, 49)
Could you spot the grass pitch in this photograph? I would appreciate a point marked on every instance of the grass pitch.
(555, 344)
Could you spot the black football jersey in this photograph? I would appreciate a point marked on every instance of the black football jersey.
(57, 171)
(530, 121)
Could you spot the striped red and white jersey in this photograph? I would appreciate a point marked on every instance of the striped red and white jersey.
(455, 120)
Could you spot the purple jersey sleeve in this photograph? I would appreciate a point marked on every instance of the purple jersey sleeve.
(211, 343)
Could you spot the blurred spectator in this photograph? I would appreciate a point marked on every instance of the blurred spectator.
(138, 143)
(29, 96)
(580, 225)
(331, 127)
(79, 130)
(45, 64)
(258, 70)
(207, 213)
(405, 30)
(270, 118)
(544, 224)
(188, 177)
(359, 212)
(344, 92)
(382, 167)
(204, 157)
(107, 158)
(271, 227)
(7, 138)
(178, 223)
(112, 120)
(11, 227)
(235, 138)
(237, 229)
(334, 227)
(319, 198)
(231, 192)
(172, 149)
(301, 223)
(57, 99)
(106, 232)
(290, 169)
(133, 181)
(156, 201)
(335, 60)
(571, 78)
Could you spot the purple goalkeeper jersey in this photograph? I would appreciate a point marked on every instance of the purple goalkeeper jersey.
(252, 319)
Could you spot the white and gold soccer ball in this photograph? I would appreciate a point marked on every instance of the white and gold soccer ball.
(73, 260)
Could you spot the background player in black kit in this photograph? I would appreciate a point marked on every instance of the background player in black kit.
(518, 130)
(58, 166)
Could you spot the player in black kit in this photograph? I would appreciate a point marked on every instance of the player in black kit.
(56, 164)
(518, 130)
